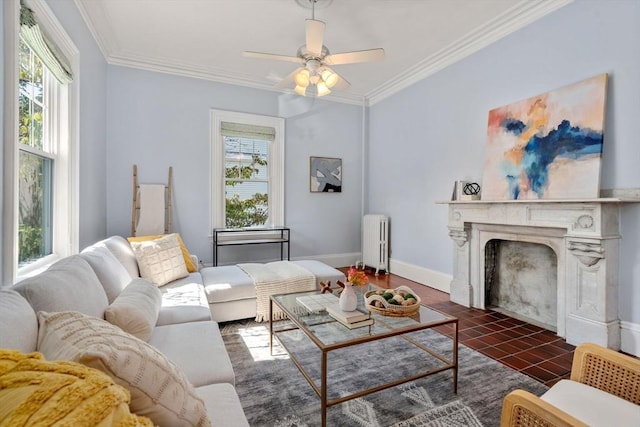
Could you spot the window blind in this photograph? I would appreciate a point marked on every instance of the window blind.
(46, 50)
(265, 133)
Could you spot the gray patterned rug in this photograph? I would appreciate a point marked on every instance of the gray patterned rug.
(274, 393)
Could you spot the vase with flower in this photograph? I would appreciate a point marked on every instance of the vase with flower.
(348, 298)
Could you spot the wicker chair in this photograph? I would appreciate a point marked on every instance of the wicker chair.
(604, 369)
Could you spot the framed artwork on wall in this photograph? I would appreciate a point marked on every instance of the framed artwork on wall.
(325, 175)
(548, 146)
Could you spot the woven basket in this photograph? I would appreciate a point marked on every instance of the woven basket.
(392, 309)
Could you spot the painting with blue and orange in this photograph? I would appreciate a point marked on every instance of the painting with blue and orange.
(548, 146)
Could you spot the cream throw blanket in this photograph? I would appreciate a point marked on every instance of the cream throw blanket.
(151, 219)
(280, 277)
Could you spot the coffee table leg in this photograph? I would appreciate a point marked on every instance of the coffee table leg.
(270, 327)
(323, 388)
(455, 357)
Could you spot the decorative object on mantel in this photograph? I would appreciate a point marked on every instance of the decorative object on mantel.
(471, 191)
(398, 302)
(325, 175)
(548, 146)
(465, 190)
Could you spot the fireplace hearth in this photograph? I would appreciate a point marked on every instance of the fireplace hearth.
(584, 236)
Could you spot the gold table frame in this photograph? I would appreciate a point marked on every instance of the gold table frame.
(321, 391)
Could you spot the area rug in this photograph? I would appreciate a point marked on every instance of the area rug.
(274, 393)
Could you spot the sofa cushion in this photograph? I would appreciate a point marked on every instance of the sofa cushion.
(591, 405)
(123, 252)
(160, 261)
(223, 405)
(111, 273)
(41, 392)
(69, 284)
(159, 389)
(16, 311)
(136, 309)
(188, 260)
(198, 350)
(227, 283)
(184, 300)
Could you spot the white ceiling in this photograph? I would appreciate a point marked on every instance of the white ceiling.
(206, 38)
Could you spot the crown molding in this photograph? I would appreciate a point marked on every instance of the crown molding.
(519, 16)
(215, 75)
(104, 38)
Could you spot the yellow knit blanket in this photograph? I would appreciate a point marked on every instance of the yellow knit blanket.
(35, 392)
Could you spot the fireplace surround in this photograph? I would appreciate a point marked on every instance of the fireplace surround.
(584, 234)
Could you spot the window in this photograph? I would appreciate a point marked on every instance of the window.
(246, 182)
(35, 160)
(247, 170)
(41, 168)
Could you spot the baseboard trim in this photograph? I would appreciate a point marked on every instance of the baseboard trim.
(630, 338)
(422, 275)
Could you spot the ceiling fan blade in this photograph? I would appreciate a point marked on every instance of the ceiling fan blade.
(260, 55)
(288, 82)
(342, 83)
(314, 36)
(355, 57)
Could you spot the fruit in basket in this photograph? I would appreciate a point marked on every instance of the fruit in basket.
(387, 295)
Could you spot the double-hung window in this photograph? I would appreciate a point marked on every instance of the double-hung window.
(36, 159)
(41, 167)
(247, 170)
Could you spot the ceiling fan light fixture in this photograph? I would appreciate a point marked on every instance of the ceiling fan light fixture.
(322, 89)
(302, 78)
(330, 78)
(301, 90)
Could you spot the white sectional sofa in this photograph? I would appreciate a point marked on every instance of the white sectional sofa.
(95, 284)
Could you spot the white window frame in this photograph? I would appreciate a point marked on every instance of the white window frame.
(62, 125)
(275, 165)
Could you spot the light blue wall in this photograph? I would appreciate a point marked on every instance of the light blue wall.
(92, 126)
(158, 120)
(433, 133)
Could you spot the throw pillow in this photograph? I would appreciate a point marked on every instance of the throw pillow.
(160, 261)
(159, 389)
(136, 309)
(191, 266)
(34, 391)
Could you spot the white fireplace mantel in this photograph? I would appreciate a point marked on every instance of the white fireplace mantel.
(584, 234)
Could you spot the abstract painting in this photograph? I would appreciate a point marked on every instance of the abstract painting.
(326, 175)
(547, 146)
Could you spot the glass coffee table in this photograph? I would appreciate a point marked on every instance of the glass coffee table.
(431, 334)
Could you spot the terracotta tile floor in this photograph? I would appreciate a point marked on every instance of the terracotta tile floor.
(527, 348)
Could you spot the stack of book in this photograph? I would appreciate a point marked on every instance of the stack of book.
(350, 319)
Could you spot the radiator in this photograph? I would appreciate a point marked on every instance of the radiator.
(375, 231)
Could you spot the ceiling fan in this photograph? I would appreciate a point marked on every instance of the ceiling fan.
(315, 58)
